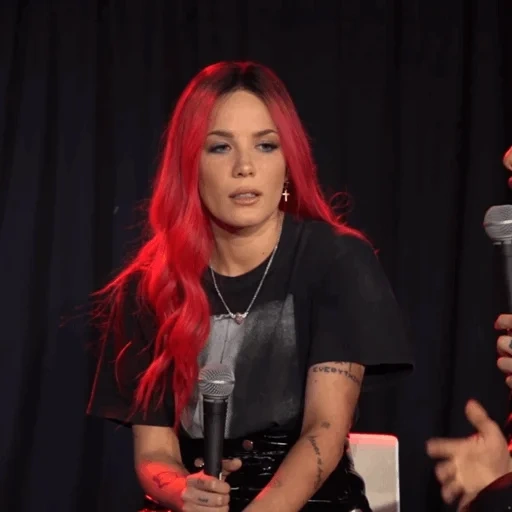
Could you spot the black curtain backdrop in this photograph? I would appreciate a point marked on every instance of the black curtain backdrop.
(406, 103)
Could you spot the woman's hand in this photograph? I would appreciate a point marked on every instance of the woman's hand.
(507, 159)
(507, 162)
(204, 493)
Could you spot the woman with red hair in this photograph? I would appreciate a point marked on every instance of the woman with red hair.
(248, 266)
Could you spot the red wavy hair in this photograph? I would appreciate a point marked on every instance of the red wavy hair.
(171, 263)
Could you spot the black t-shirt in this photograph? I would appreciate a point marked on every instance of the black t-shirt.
(325, 298)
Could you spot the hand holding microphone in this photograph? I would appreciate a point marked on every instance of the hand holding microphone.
(470, 464)
(206, 491)
(498, 226)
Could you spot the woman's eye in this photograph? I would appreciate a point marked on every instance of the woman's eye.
(265, 147)
(268, 147)
(218, 148)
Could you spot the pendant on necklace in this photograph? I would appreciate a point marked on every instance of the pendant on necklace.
(239, 318)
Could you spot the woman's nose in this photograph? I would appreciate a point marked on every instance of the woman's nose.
(244, 168)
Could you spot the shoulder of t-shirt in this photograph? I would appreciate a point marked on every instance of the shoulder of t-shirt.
(326, 243)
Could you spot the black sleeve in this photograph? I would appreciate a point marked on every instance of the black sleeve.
(120, 365)
(497, 497)
(355, 315)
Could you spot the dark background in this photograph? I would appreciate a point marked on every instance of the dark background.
(408, 106)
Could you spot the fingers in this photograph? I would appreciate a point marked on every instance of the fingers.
(504, 348)
(445, 471)
(208, 484)
(192, 507)
(451, 491)
(505, 364)
(202, 493)
(196, 500)
(503, 322)
(438, 448)
(507, 159)
(230, 465)
(479, 418)
(446, 474)
(504, 345)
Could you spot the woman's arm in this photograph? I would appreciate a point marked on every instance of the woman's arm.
(158, 464)
(332, 391)
(164, 478)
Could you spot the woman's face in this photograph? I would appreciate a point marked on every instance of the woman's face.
(242, 168)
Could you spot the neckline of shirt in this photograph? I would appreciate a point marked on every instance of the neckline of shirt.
(282, 255)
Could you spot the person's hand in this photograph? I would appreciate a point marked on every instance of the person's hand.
(504, 346)
(470, 464)
(507, 159)
(507, 162)
(204, 493)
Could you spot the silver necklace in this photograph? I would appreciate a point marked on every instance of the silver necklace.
(240, 317)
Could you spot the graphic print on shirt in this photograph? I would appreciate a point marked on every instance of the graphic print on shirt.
(263, 354)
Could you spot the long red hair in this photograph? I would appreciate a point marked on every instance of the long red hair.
(170, 265)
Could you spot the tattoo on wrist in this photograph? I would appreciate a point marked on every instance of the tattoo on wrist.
(164, 478)
(345, 369)
(319, 463)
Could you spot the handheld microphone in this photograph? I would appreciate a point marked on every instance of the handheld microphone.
(216, 383)
(498, 226)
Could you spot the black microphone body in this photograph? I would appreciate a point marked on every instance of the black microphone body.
(216, 383)
(214, 420)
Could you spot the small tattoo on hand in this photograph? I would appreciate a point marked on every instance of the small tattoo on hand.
(202, 500)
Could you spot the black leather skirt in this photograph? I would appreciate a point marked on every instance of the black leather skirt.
(261, 455)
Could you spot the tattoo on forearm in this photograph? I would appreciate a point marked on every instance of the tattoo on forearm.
(164, 478)
(319, 463)
(325, 424)
(345, 369)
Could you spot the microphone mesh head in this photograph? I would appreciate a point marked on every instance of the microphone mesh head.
(216, 381)
(498, 223)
